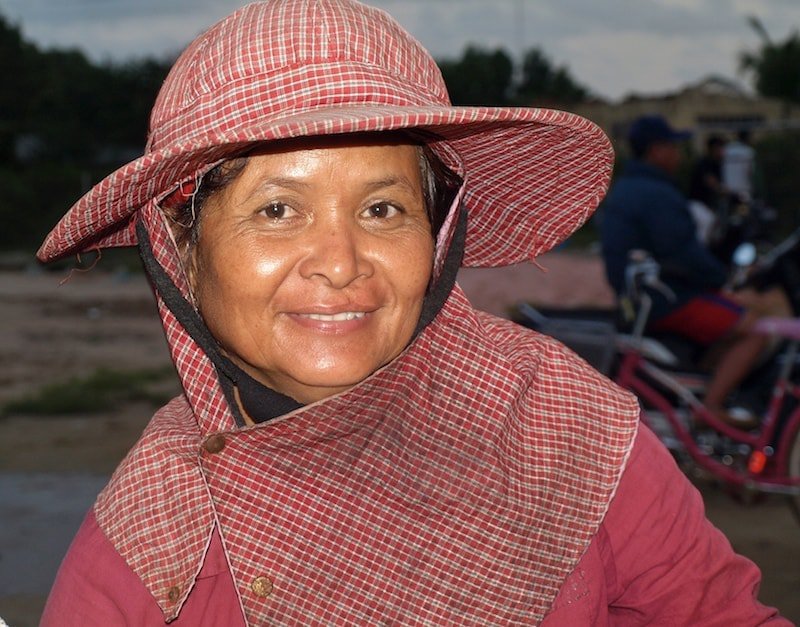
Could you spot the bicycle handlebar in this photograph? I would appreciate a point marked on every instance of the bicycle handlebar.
(645, 271)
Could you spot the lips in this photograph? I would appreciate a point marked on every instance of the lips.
(343, 316)
(335, 318)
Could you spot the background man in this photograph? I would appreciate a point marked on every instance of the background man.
(645, 210)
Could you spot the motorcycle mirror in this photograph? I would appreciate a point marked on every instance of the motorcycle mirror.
(744, 255)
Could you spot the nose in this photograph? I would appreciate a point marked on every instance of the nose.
(337, 255)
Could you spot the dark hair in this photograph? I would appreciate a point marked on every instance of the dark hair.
(714, 141)
(439, 188)
(185, 216)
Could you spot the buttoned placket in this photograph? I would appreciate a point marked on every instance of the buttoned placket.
(261, 586)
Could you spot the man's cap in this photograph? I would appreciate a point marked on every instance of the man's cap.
(652, 129)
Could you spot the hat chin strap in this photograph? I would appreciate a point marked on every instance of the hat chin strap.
(261, 402)
(441, 286)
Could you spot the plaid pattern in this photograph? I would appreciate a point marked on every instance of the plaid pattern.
(313, 67)
(459, 485)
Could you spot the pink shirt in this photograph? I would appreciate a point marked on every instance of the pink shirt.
(656, 560)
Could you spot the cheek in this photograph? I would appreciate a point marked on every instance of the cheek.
(197, 273)
(216, 276)
(412, 266)
(237, 266)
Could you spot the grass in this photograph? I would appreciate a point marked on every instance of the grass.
(101, 390)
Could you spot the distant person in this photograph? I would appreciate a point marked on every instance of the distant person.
(706, 191)
(738, 166)
(705, 184)
(645, 210)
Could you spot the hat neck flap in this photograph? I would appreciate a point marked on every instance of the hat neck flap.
(459, 484)
(461, 433)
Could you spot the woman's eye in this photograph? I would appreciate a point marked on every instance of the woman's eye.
(382, 210)
(277, 211)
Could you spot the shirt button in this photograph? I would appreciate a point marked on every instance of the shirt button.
(261, 586)
(214, 443)
(173, 594)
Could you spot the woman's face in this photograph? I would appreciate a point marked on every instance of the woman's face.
(312, 264)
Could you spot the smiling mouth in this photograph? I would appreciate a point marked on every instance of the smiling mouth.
(339, 317)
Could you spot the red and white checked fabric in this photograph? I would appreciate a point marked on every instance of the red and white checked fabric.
(459, 485)
(290, 68)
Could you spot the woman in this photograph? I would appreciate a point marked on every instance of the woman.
(356, 444)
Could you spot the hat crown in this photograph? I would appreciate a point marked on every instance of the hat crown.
(292, 56)
(301, 68)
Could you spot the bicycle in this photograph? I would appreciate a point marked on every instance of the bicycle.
(764, 460)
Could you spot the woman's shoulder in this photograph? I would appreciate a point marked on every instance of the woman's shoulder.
(668, 561)
(95, 586)
(526, 349)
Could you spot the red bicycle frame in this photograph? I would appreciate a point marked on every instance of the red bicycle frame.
(767, 467)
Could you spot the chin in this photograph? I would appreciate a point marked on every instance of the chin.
(323, 384)
(341, 381)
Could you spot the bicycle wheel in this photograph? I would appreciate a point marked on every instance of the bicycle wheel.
(794, 470)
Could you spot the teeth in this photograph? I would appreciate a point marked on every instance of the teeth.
(339, 317)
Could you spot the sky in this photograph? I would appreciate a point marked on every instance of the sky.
(614, 47)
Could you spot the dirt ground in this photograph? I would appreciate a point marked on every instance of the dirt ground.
(52, 466)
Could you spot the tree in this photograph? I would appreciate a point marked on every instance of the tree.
(19, 82)
(775, 67)
(488, 77)
(64, 123)
(63, 109)
(480, 77)
(541, 80)
(125, 108)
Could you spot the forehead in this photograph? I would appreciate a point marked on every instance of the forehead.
(347, 157)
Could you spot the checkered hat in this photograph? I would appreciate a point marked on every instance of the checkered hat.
(291, 68)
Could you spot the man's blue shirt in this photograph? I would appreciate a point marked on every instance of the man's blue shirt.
(644, 210)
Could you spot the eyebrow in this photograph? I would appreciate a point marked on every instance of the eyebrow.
(392, 181)
(283, 181)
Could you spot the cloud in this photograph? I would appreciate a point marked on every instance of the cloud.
(613, 46)
(116, 29)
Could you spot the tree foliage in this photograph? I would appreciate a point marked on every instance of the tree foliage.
(775, 67)
(490, 78)
(779, 161)
(64, 123)
(541, 80)
(479, 77)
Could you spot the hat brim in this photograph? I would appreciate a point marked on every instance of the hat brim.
(532, 176)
